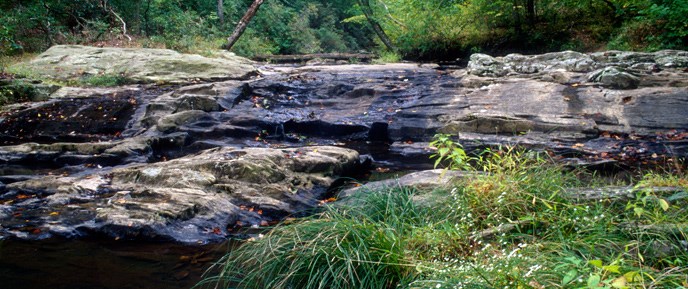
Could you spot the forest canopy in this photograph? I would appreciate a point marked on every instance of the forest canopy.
(417, 29)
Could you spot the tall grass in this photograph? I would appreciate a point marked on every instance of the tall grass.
(340, 248)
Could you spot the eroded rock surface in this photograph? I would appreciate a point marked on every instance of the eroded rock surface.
(197, 198)
(88, 149)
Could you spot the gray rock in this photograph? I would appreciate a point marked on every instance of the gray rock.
(388, 112)
(171, 122)
(672, 58)
(68, 62)
(190, 199)
(27, 89)
(614, 77)
(485, 65)
(426, 180)
(89, 92)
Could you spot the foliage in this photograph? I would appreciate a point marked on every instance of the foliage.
(387, 57)
(344, 247)
(450, 152)
(281, 27)
(514, 227)
(435, 29)
(104, 80)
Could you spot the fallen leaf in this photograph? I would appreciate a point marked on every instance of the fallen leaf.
(381, 170)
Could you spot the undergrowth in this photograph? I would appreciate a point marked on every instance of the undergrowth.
(521, 224)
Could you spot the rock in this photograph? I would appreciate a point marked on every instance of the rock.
(171, 122)
(625, 59)
(137, 150)
(190, 199)
(614, 77)
(566, 60)
(71, 62)
(90, 92)
(107, 153)
(672, 58)
(485, 65)
(426, 180)
(26, 90)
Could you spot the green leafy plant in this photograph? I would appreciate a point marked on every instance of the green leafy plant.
(450, 152)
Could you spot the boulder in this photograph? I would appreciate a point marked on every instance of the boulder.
(614, 77)
(427, 180)
(25, 90)
(485, 65)
(73, 62)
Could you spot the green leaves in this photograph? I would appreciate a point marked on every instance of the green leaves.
(449, 152)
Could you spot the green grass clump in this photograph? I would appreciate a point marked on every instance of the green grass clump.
(103, 80)
(340, 248)
(518, 225)
(387, 57)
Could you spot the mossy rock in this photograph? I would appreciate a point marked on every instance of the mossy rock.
(12, 91)
(113, 66)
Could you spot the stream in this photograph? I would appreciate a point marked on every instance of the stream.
(99, 264)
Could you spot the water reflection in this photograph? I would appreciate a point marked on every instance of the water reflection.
(77, 264)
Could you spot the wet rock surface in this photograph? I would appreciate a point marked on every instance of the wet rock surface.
(196, 162)
(198, 198)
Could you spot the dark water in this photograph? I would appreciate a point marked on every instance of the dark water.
(73, 264)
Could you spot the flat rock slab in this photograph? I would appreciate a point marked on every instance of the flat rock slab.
(198, 198)
(69, 62)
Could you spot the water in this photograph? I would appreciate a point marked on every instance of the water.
(76, 264)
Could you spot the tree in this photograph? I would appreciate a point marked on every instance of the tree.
(243, 23)
(220, 12)
(368, 12)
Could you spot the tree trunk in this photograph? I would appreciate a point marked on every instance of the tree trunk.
(368, 12)
(530, 5)
(220, 12)
(243, 23)
(517, 19)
